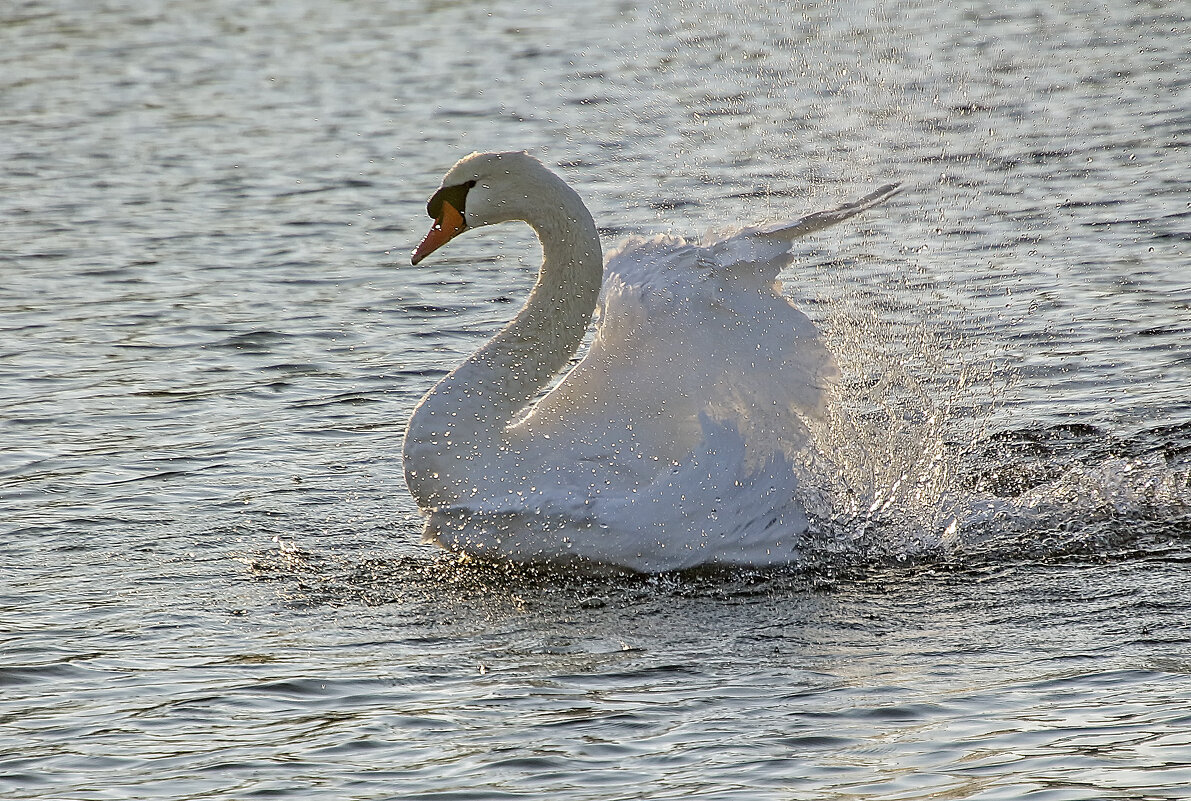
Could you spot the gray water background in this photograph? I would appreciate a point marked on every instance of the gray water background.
(210, 581)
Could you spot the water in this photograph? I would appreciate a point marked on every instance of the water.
(210, 580)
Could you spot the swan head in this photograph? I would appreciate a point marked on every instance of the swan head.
(485, 189)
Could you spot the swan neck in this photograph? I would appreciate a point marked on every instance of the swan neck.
(457, 433)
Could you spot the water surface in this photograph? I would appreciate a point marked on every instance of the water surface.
(210, 580)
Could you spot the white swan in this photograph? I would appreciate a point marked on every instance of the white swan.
(673, 443)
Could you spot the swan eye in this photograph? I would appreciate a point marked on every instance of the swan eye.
(456, 195)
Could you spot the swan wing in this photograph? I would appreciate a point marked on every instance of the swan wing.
(687, 330)
(824, 219)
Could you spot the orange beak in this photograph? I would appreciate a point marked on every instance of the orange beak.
(448, 226)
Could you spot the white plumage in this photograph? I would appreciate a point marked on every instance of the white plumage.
(673, 443)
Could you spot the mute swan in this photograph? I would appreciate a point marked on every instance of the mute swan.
(673, 443)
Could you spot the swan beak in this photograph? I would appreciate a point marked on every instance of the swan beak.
(448, 226)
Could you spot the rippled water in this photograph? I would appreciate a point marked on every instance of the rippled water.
(210, 581)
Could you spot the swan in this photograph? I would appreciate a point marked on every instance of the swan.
(673, 443)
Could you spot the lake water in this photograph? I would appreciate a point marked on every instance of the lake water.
(211, 584)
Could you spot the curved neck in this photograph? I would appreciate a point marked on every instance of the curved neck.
(454, 431)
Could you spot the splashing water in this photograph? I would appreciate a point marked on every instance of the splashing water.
(910, 461)
(885, 458)
(918, 456)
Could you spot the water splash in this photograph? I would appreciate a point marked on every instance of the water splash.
(914, 461)
(885, 478)
(924, 454)
(1075, 489)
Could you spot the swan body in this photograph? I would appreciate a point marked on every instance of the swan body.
(673, 443)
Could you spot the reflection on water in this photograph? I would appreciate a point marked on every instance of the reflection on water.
(211, 584)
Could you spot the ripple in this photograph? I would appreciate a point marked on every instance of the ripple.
(213, 585)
